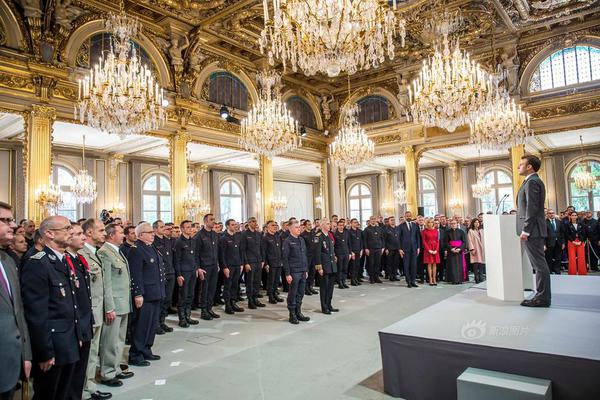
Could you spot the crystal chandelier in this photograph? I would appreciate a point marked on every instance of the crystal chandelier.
(269, 128)
(193, 203)
(330, 36)
(400, 194)
(118, 209)
(351, 146)
(501, 124)
(481, 188)
(451, 88)
(319, 202)
(279, 202)
(49, 197)
(584, 180)
(84, 186)
(120, 94)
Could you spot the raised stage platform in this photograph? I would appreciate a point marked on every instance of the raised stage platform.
(424, 354)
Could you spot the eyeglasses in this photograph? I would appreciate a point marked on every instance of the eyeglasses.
(7, 220)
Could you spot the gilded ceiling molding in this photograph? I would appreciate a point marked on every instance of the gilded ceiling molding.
(560, 110)
(12, 28)
(90, 28)
(16, 81)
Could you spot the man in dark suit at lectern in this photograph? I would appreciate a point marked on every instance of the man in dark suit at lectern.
(531, 227)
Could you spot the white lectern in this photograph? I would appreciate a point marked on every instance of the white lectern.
(507, 274)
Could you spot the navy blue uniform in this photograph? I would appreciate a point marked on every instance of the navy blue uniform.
(185, 263)
(356, 246)
(392, 245)
(325, 260)
(342, 252)
(230, 257)
(207, 245)
(373, 241)
(252, 255)
(50, 303)
(165, 246)
(271, 248)
(308, 236)
(295, 263)
(146, 280)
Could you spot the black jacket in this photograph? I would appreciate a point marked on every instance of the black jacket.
(571, 233)
(207, 245)
(84, 297)
(392, 238)
(251, 243)
(308, 237)
(325, 256)
(165, 246)
(341, 246)
(186, 256)
(144, 268)
(555, 234)
(230, 251)
(294, 255)
(50, 308)
(271, 250)
(373, 237)
(356, 240)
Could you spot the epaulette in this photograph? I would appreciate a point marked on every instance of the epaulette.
(38, 255)
(318, 233)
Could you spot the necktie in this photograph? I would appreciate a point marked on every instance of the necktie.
(408, 225)
(4, 283)
(553, 225)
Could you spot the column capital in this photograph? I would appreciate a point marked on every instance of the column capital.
(39, 111)
(44, 87)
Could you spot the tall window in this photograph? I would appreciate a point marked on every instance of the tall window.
(224, 88)
(373, 109)
(501, 184)
(427, 196)
(568, 66)
(156, 198)
(231, 200)
(361, 203)
(301, 112)
(98, 46)
(580, 199)
(63, 179)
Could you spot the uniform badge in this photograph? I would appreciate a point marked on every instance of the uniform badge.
(52, 257)
(191, 251)
(167, 253)
(235, 245)
(152, 260)
(62, 292)
(77, 283)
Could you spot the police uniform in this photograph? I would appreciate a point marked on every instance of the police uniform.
(50, 303)
(230, 257)
(186, 264)
(146, 281)
(373, 241)
(165, 246)
(207, 245)
(271, 253)
(308, 236)
(356, 245)
(252, 255)
(83, 295)
(295, 264)
(342, 252)
(325, 261)
(392, 245)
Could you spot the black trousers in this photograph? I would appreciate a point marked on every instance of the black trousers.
(355, 266)
(326, 290)
(53, 384)
(231, 285)
(273, 280)
(144, 331)
(553, 257)
(7, 395)
(208, 286)
(166, 303)
(79, 377)
(342, 267)
(478, 271)
(441, 268)
(219, 288)
(296, 290)
(186, 295)
(409, 262)
(310, 281)
(393, 263)
(421, 273)
(374, 263)
(592, 250)
(252, 279)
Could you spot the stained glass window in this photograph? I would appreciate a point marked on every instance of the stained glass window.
(568, 66)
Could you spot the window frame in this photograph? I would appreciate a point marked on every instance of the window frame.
(158, 193)
(230, 195)
(496, 188)
(423, 192)
(363, 218)
(362, 112)
(228, 102)
(590, 195)
(66, 189)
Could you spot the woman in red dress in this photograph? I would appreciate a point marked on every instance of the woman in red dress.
(431, 250)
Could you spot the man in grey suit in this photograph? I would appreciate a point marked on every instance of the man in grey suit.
(531, 227)
(14, 336)
(117, 306)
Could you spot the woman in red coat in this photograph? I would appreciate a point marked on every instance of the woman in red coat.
(431, 250)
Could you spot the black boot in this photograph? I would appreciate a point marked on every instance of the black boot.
(259, 304)
(279, 299)
(293, 320)
(307, 292)
(205, 315)
(272, 299)
(235, 307)
(228, 308)
(251, 304)
(300, 316)
(213, 314)
(166, 327)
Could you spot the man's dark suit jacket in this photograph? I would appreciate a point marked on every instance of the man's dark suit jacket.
(530, 208)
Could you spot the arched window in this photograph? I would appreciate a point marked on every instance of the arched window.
(427, 196)
(501, 184)
(224, 88)
(156, 198)
(373, 109)
(63, 178)
(568, 66)
(580, 199)
(231, 200)
(98, 45)
(301, 111)
(361, 203)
